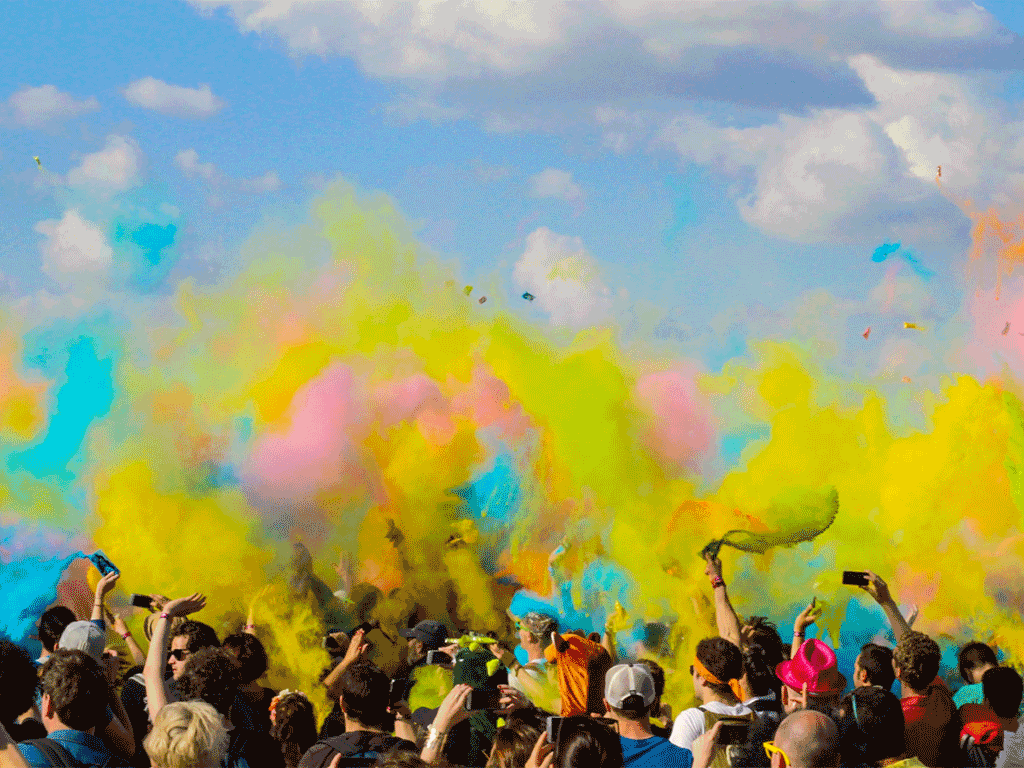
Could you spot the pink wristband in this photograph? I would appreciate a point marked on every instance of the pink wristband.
(164, 616)
(126, 635)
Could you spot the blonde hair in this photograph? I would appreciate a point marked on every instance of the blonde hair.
(185, 734)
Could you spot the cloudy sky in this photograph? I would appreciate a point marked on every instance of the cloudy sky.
(681, 168)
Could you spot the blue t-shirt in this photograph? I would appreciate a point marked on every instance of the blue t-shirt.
(969, 694)
(655, 752)
(85, 748)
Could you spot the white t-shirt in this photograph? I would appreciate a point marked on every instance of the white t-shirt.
(690, 723)
(536, 670)
(1012, 755)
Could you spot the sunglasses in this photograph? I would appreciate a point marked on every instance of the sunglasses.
(770, 749)
(180, 653)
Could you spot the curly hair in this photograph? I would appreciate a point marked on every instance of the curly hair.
(294, 727)
(187, 733)
(18, 681)
(918, 657)
(211, 675)
(77, 689)
(199, 635)
(251, 655)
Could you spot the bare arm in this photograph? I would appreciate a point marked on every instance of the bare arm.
(451, 712)
(356, 648)
(117, 622)
(156, 659)
(879, 590)
(807, 617)
(725, 615)
(102, 588)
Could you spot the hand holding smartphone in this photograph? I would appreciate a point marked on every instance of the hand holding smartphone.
(855, 578)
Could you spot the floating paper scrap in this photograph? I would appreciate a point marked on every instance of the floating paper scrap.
(867, 332)
(529, 296)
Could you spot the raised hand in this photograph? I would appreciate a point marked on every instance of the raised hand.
(106, 584)
(807, 616)
(453, 709)
(356, 648)
(713, 567)
(877, 588)
(183, 606)
(543, 754)
(511, 699)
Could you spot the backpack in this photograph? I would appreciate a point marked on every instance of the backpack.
(733, 754)
(57, 755)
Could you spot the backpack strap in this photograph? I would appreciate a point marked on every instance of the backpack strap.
(55, 754)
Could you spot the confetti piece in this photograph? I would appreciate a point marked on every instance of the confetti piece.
(940, 171)
(1006, 328)
(467, 290)
(906, 379)
(867, 332)
(910, 325)
(38, 162)
(529, 296)
(483, 299)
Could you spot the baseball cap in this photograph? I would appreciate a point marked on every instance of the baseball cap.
(629, 687)
(83, 636)
(433, 634)
(539, 623)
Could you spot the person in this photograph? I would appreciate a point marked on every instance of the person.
(187, 638)
(293, 725)
(715, 672)
(187, 734)
(75, 702)
(661, 713)
(873, 667)
(872, 729)
(253, 663)
(975, 659)
(52, 624)
(581, 742)
(582, 664)
(512, 745)
(629, 696)
(811, 679)
(426, 636)
(364, 702)
(805, 739)
(534, 630)
(18, 683)
(989, 724)
(932, 725)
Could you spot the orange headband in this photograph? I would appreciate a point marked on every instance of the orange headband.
(734, 684)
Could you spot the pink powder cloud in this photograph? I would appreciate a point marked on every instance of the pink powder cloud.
(680, 430)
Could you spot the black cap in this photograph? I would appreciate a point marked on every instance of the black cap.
(433, 634)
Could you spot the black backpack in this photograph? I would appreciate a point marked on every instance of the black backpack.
(57, 756)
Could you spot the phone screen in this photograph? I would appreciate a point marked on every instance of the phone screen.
(857, 578)
(141, 601)
(733, 733)
(481, 698)
(103, 565)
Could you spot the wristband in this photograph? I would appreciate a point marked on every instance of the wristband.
(716, 582)
(250, 626)
(165, 615)
(435, 738)
(126, 635)
(799, 634)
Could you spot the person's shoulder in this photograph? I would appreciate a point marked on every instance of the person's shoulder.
(32, 755)
(320, 754)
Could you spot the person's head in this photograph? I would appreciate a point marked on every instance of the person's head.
(975, 659)
(760, 631)
(535, 630)
(873, 666)
(658, 676)
(187, 638)
(815, 666)
(18, 682)
(52, 624)
(629, 692)
(585, 743)
(252, 658)
(809, 739)
(293, 725)
(210, 675)
(873, 726)
(75, 691)
(1003, 688)
(513, 745)
(365, 694)
(83, 636)
(400, 758)
(759, 663)
(426, 636)
(916, 660)
(654, 639)
(722, 665)
(187, 734)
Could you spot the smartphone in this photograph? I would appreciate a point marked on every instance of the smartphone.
(439, 657)
(483, 698)
(733, 733)
(857, 578)
(140, 601)
(399, 687)
(103, 565)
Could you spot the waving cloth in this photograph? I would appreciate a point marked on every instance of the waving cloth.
(810, 520)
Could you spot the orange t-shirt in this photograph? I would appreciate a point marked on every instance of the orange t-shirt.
(581, 670)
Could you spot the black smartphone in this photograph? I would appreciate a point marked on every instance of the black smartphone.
(483, 698)
(399, 686)
(439, 657)
(856, 578)
(103, 565)
(733, 733)
(140, 601)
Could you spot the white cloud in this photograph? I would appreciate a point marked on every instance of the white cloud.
(564, 279)
(36, 107)
(410, 109)
(114, 169)
(188, 163)
(73, 247)
(175, 100)
(552, 182)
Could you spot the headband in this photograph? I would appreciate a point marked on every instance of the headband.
(734, 684)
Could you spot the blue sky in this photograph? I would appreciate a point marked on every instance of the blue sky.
(710, 165)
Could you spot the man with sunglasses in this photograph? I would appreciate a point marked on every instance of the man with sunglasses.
(806, 739)
(534, 630)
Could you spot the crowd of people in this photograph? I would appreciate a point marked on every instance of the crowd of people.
(569, 699)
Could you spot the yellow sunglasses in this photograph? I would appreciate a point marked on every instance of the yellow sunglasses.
(770, 749)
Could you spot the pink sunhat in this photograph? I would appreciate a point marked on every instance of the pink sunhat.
(814, 664)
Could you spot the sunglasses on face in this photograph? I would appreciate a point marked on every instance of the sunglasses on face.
(770, 749)
(180, 654)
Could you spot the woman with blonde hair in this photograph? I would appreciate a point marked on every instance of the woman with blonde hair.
(187, 734)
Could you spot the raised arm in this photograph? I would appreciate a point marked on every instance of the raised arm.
(117, 622)
(806, 617)
(156, 659)
(879, 590)
(725, 616)
(356, 648)
(102, 588)
(451, 712)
